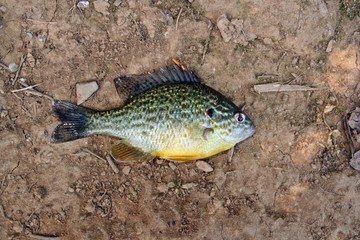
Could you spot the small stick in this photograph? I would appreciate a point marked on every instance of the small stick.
(35, 92)
(210, 27)
(177, 19)
(25, 88)
(112, 165)
(23, 57)
(277, 87)
(231, 154)
(92, 153)
(43, 237)
(4, 66)
(39, 21)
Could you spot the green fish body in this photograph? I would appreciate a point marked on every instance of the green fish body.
(169, 114)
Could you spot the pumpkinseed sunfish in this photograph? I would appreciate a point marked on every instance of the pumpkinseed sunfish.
(168, 114)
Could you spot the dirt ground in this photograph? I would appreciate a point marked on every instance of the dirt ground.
(291, 180)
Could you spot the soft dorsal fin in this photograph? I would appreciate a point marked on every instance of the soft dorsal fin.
(132, 85)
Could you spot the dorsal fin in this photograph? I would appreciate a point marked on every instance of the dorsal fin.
(132, 85)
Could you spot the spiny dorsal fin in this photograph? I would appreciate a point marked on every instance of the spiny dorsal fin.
(132, 85)
(123, 151)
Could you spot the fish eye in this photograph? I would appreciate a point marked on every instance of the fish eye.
(240, 117)
(210, 112)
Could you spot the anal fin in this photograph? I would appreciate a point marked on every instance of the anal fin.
(123, 151)
(183, 158)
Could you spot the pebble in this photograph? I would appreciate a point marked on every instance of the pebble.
(90, 208)
(330, 45)
(126, 170)
(3, 113)
(329, 108)
(213, 206)
(117, 3)
(162, 187)
(13, 67)
(102, 6)
(85, 90)
(188, 185)
(268, 41)
(204, 166)
(70, 189)
(172, 165)
(17, 227)
(159, 161)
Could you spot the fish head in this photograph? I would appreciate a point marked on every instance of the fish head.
(239, 128)
(233, 125)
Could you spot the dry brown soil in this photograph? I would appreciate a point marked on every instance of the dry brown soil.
(291, 180)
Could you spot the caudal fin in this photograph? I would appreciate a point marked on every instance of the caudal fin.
(74, 122)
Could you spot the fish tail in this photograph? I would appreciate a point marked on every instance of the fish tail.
(74, 119)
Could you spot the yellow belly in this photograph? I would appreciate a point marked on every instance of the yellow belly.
(195, 151)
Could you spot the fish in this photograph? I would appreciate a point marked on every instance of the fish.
(168, 113)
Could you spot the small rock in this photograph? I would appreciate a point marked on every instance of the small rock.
(171, 185)
(188, 185)
(204, 166)
(159, 161)
(30, 60)
(126, 170)
(3, 9)
(18, 228)
(13, 67)
(234, 30)
(313, 166)
(172, 165)
(117, 3)
(213, 206)
(312, 63)
(268, 41)
(329, 108)
(162, 187)
(90, 208)
(82, 4)
(3, 113)
(102, 6)
(330, 45)
(85, 90)
(295, 60)
(71, 190)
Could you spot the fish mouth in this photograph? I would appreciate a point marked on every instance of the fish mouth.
(239, 135)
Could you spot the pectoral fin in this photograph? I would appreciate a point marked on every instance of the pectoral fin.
(207, 133)
(123, 151)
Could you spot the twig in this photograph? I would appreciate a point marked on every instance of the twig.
(112, 164)
(4, 66)
(25, 88)
(231, 154)
(40, 94)
(348, 134)
(108, 159)
(92, 153)
(177, 19)
(23, 57)
(43, 237)
(277, 87)
(207, 43)
(35, 92)
(39, 21)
